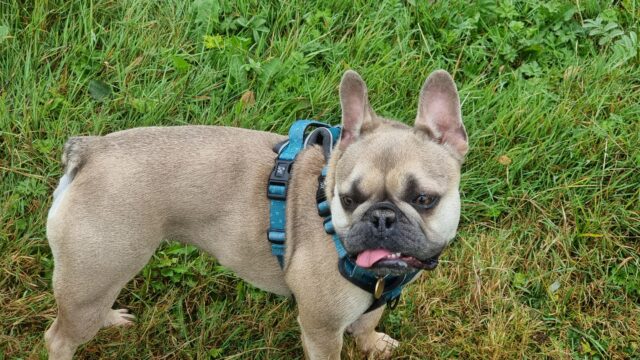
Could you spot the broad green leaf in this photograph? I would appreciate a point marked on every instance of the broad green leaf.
(206, 11)
(519, 279)
(99, 90)
(213, 41)
(181, 65)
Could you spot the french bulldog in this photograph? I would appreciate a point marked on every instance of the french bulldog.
(392, 188)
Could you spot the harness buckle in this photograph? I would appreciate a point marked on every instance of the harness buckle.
(279, 180)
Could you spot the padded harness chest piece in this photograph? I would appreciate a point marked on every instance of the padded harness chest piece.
(279, 184)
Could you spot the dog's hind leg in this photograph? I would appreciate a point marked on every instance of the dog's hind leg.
(89, 273)
(371, 342)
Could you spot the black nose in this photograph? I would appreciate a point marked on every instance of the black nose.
(383, 216)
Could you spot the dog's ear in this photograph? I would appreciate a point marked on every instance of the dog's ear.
(355, 107)
(439, 112)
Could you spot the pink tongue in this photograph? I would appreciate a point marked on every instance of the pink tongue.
(369, 257)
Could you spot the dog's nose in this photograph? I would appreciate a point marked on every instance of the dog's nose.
(383, 217)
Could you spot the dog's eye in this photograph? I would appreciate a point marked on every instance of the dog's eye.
(425, 201)
(346, 201)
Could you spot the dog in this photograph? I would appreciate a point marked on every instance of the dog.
(392, 189)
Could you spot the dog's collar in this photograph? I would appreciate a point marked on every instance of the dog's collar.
(385, 290)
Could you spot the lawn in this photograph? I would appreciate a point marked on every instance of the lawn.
(546, 263)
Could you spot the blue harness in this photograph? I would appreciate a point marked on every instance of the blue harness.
(385, 290)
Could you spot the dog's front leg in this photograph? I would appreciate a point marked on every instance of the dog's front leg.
(375, 344)
(320, 338)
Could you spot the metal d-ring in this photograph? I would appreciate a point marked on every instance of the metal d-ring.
(379, 289)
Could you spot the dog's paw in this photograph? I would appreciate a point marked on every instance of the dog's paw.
(379, 345)
(119, 317)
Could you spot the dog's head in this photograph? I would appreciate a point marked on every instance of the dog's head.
(394, 188)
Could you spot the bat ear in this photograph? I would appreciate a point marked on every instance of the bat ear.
(439, 112)
(355, 107)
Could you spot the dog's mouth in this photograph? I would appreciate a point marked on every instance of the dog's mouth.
(394, 261)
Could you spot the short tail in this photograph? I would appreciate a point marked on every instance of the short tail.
(74, 154)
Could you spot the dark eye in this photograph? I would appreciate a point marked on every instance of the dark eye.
(346, 201)
(425, 201)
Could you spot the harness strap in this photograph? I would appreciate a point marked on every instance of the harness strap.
(279, 183)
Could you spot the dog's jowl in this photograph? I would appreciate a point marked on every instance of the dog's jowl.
(392, 190)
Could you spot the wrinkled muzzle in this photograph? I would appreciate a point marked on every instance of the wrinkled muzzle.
(386, 241)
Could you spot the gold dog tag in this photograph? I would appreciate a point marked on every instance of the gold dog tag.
(379, 288)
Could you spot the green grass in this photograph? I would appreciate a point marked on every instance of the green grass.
(547, 260)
